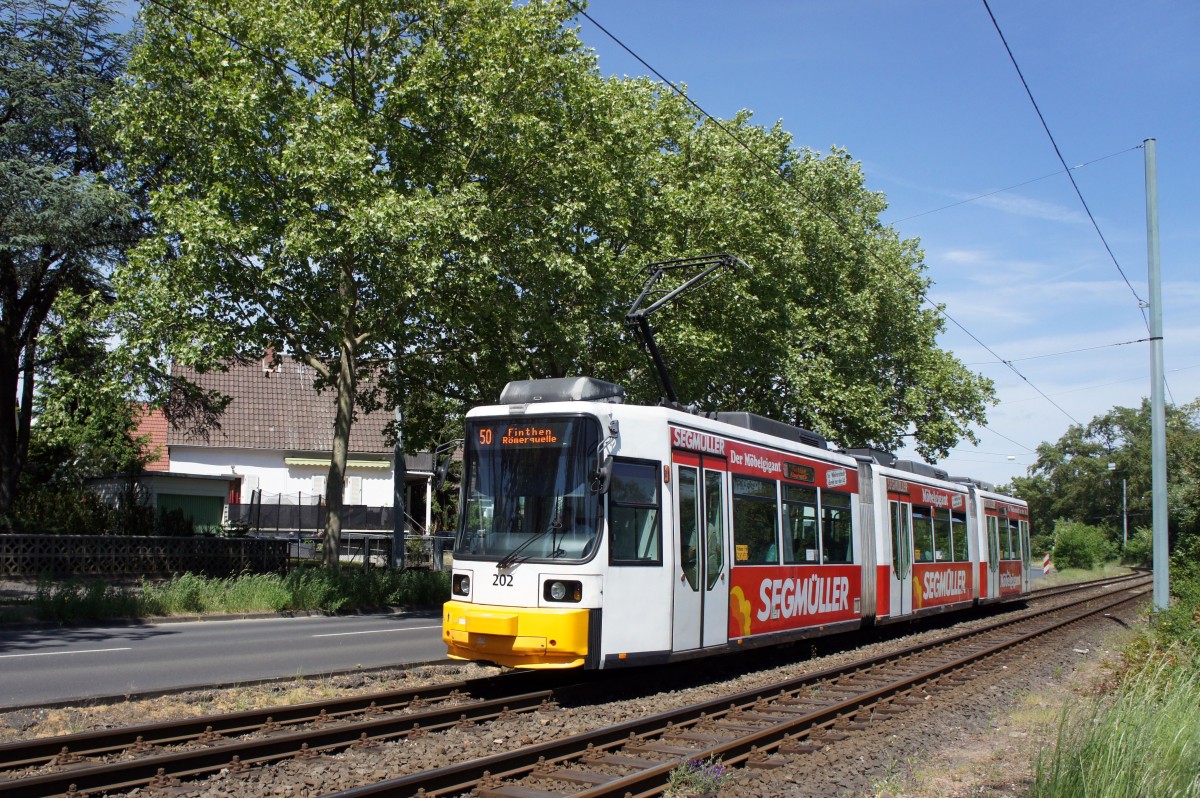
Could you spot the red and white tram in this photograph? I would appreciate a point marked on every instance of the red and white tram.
(598, 534)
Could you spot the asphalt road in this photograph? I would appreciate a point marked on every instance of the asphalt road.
(59, 664)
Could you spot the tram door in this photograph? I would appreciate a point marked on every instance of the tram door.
(993, 555)
(902, 558)
(1025, 555)
(701, 586)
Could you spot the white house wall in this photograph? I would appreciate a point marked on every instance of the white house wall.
(273, 475)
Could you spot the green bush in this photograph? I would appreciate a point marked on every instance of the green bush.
(697, 777)
(1139, 550)
(1178, 625)
(1078, 545)
(1039, 545)
(1185, 563)
(60, 509)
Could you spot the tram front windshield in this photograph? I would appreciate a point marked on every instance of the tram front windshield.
(528, 489)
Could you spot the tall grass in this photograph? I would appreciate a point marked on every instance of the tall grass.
(1143, 739)
(79, 600)
(191, 594)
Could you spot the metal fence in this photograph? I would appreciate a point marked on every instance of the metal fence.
(373, 550)
(132, 556)
(269, 518)
(301, 513)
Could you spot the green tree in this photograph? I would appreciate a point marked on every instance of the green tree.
(312, 161)
(825, 330)
(62, 224)
(1071, 478)
(86, 423)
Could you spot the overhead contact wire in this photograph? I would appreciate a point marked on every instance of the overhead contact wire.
(1063, 161)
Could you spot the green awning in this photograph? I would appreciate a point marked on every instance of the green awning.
(323, 462)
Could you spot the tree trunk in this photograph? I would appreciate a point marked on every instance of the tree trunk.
(336, 482)
(346, 385)
(10, 469)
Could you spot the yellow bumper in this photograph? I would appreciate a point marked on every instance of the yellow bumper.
(516, 637)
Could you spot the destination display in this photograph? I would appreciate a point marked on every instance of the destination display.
(541, 433)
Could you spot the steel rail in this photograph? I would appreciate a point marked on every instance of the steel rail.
(1075, 587)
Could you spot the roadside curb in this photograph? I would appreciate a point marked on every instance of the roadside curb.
(153, 620)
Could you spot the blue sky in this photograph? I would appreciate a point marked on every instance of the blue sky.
(923, 94)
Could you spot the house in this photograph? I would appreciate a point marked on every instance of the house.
(270, 457)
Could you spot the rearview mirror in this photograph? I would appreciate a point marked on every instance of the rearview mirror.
(602, 476)
(442, 457)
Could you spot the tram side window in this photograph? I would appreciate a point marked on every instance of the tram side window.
(958, 536)
(837, 529)
(1014, 540)
(800, 525)
(755, 521)
(922, 526)
(993, 540)
(633, 514)
(941, 535)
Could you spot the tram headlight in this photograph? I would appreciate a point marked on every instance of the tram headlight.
(563, 590)
(462, 584)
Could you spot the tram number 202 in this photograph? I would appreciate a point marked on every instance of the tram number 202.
(502, 580)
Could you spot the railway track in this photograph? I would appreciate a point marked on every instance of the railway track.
(123, 758)
(761, 728)
(161, 754)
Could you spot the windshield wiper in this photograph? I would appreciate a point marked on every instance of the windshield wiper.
(511, 557)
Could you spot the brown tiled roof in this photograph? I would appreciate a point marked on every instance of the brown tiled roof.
(153, 425)
(279, 409)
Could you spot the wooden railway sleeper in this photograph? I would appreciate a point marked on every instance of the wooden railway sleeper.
(619, 760)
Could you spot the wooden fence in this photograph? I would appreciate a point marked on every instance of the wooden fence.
(101, 555)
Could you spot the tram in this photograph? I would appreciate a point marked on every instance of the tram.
(599, 534)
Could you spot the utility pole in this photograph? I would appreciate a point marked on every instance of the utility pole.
(1124, 511)
(1158, 417)
(1125, 516)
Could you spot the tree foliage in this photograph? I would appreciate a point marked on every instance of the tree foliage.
(312, 161)
(62, 224)
(86, 423)
(825, 330)
(1071, 478)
